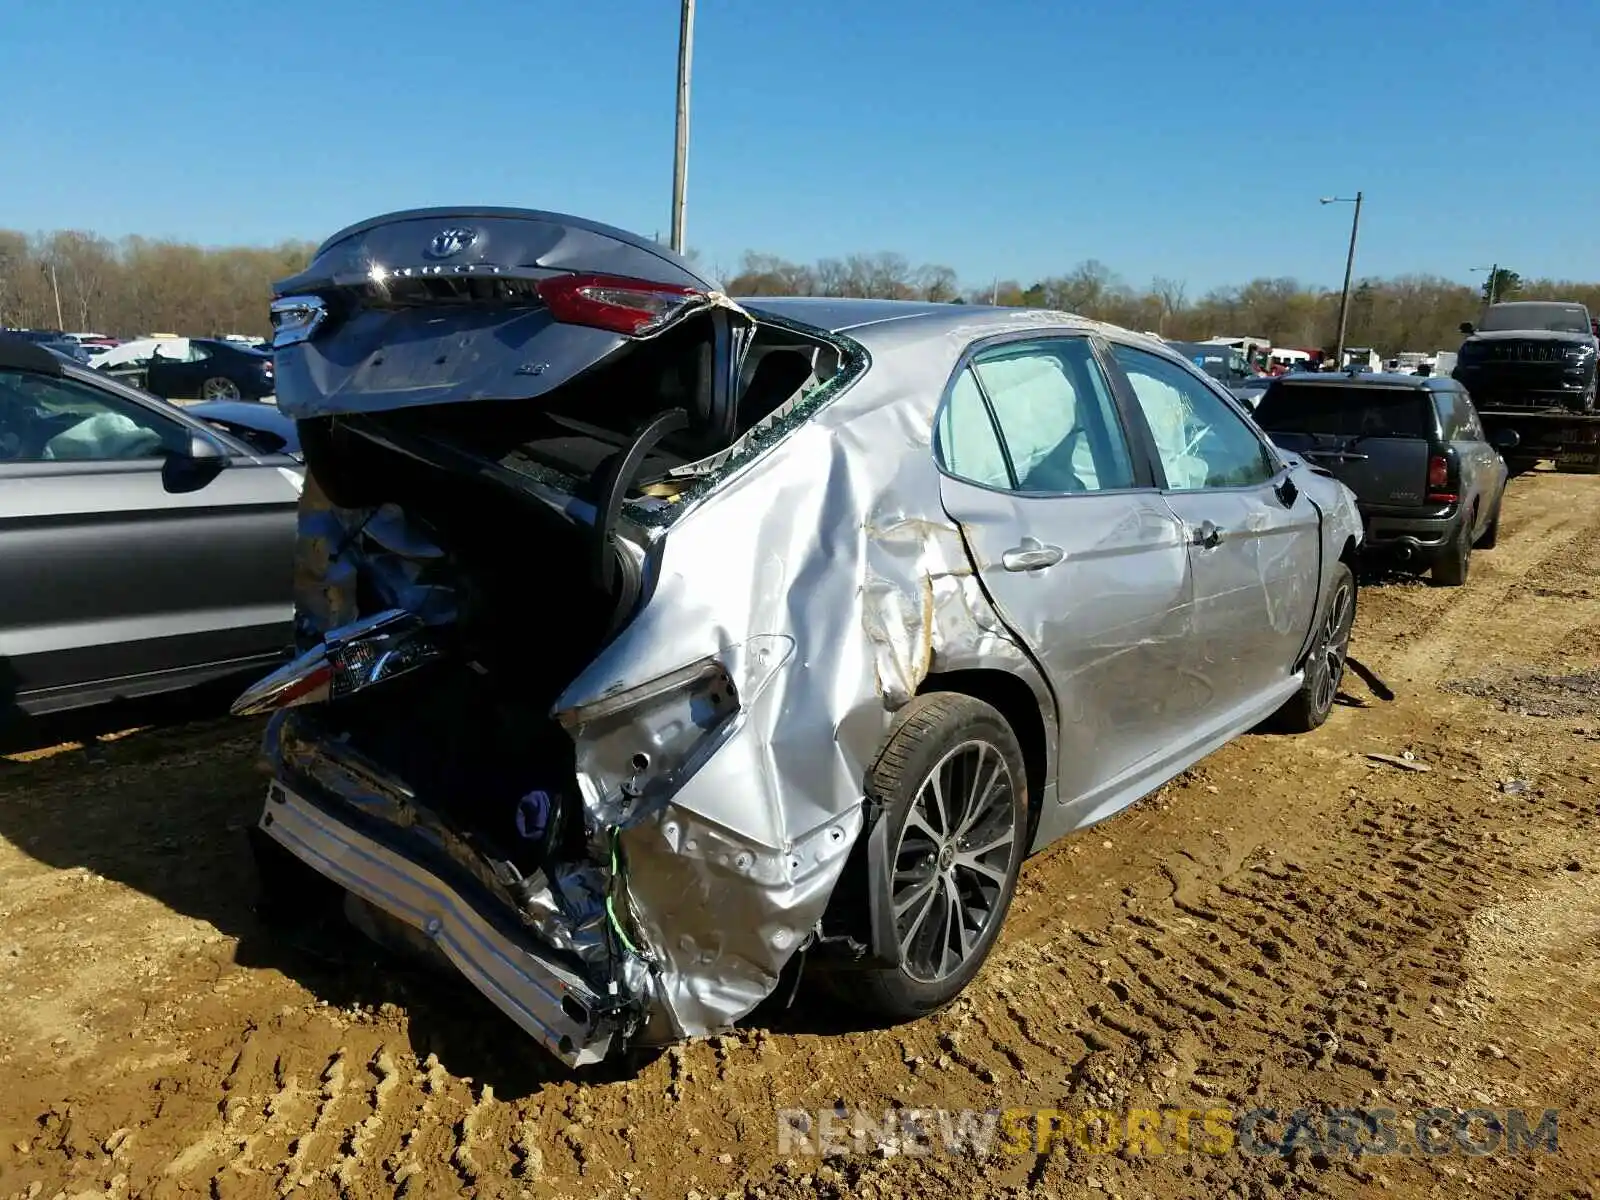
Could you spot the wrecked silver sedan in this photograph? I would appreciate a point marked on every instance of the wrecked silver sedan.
(656, 643)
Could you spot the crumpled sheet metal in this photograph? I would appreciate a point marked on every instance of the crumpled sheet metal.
(859, 565)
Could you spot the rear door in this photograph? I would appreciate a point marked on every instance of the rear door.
(1375, 438)
(1254, 542)
(1483, 471)
(126, 565)
(1077, 550)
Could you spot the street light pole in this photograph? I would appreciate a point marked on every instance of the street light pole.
(680, 160)
(1349, 268)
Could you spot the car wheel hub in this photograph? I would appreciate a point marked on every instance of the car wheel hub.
(957, 848)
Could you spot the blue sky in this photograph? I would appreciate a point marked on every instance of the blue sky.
(1010, 138)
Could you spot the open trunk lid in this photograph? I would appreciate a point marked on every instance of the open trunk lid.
(439, 306)
(1376, 440)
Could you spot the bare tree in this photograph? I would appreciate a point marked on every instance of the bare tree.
(1170, 295)
(84, 265)
(937, 283)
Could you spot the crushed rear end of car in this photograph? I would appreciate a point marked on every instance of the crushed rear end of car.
(502, 414)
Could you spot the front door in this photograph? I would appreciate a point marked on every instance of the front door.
(1254, 542)
(1078, 552)
(125, 565)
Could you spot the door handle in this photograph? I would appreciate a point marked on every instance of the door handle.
(1205, 534)
(1032, 555)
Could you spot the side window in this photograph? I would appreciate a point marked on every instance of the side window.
(1201, 441)
(967, 444)
(1056, 416)
(1451, 424)
(48, 419)
(1467, 418)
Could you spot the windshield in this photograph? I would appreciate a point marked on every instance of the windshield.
(1555, 318)
(1345, 411)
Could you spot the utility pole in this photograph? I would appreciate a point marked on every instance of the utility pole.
(680, 160)
(1494, 281)
(56, 288)
(1349, 268)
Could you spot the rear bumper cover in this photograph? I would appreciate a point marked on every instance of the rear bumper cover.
(1407, 537)
(548, 1002)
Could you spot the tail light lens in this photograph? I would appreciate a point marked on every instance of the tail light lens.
(349, 659)
(634, 307)
(1439, 489)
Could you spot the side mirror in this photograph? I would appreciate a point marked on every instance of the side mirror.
(204, 449)
(199, 463)
(1505, 439)
(1466, 328)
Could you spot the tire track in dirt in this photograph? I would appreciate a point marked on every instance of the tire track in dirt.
(1279, 926)
(1532, 550)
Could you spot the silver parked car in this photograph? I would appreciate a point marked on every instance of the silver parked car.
(657, 642)
(141, 550)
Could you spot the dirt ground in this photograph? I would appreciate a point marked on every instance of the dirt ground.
(1292, 924)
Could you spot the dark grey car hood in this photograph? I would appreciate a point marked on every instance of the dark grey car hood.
(372, 356)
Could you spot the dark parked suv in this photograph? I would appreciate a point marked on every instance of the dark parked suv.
(1413, 451)
(1531, 354)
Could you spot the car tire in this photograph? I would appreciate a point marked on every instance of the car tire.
(219, 387)
(946, 747)
(1308, 708)
(1454, 561)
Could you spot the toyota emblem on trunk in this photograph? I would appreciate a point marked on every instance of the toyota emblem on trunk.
(448, 243)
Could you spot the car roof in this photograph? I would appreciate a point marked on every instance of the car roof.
(1376, 379)
(1538, 304)
(893, 322)
(22, 354)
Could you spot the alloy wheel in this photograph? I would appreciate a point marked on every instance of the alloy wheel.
(957, 848)
(219, 389)
(1332, 647)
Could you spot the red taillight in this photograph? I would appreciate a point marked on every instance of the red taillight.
(1439, 480)
(630, 306)
(313, 681)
